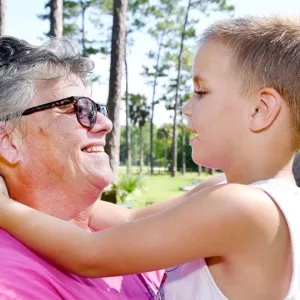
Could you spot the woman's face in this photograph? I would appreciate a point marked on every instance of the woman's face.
(58, 149)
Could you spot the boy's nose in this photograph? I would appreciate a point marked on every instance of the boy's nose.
(187, 108)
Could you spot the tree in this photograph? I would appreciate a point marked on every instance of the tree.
(184, 95)
(179, 62)
(2, 16)
(136, 13)
(56, 18)
(128, 160)
(163, 26)
(183, 90)
(163, 134)
(115, 80)
(75, 16)
(139, 112)
(183, 145)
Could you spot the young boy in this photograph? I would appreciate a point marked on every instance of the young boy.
(236, 240)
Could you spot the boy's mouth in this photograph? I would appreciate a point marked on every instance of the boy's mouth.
(194, 134)
(192, 131)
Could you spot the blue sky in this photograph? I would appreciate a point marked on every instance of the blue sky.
(22, 22)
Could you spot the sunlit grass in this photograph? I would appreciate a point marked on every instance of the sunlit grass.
(158, 188)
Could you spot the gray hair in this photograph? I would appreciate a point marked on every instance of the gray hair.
(23, 65)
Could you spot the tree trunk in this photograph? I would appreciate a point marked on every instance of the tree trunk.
(211, 171)
(56, 18)
(199, 170)
(115, 81)
(174, 144)
(2, 16)
(183, 153)
(166, 154)
(136, 150)
(141, 150)
(153, 103)
(128, 141)
(183, 150)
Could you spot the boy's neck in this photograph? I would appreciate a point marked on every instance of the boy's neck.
(256, 171)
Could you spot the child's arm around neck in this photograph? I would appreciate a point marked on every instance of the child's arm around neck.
(209, 223)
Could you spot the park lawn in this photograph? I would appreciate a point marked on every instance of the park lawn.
(158, 188)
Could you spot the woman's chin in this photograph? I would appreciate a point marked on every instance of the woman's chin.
(101, 181)
(100, 178)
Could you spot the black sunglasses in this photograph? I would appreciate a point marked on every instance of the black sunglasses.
(85, 108)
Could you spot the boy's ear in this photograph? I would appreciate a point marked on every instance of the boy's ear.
(9, 150)
(265, 111)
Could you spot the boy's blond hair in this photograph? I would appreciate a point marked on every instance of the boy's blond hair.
(266, 53)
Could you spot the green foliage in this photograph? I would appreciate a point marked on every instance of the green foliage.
(136, 19)
(161, 29)
(163, 143)
(136, 143)
(76, 17)
(162, 146)
(138, 109)
(126, 185)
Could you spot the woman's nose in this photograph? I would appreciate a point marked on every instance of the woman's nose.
(103, 124)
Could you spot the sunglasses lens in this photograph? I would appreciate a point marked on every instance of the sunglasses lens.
(86, 112)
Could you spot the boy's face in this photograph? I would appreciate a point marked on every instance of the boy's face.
(216, 111)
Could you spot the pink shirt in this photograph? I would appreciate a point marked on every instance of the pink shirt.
(24, 275)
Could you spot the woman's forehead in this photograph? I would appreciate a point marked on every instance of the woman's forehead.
(51, 90)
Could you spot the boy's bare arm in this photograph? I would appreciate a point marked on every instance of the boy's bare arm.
(219, 215)
(105, 214)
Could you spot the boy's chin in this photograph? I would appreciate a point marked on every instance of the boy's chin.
(201, 161)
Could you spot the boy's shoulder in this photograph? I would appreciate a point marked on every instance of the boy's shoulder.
(240, 196)
(270, 190)
(261, 203)
(241, 206)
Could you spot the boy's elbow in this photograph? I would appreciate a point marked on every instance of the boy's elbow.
(84, 266)
(90, 265)
(90, 270)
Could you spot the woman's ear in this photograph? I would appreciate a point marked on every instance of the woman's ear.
(266, 109)
(9, 142)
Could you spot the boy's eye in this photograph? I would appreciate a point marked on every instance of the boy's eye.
(200, 93)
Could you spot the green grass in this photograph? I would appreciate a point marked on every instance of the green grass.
(158, 188)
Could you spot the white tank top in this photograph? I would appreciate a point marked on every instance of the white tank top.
(193, 281)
